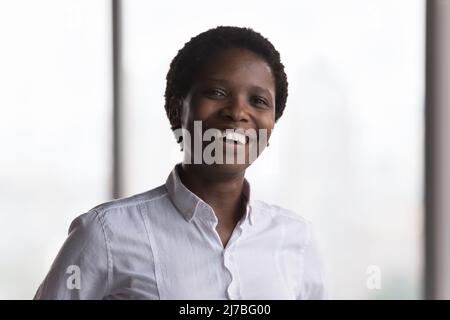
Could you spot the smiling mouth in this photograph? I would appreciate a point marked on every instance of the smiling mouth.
(232, 137)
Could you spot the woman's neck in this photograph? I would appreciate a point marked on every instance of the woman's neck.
(223, 192)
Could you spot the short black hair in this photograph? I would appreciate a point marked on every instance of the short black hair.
(195, 54)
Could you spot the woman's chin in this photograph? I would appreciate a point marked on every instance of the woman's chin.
(226, 168)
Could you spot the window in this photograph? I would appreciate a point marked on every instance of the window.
(54, 130)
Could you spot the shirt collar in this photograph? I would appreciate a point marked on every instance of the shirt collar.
(189, 204)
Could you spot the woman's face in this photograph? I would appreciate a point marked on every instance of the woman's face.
(235, 90)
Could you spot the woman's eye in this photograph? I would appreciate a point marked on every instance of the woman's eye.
(260, 101)
(216, 93)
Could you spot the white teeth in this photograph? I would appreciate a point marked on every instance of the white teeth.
(235, 136)
(232, 135)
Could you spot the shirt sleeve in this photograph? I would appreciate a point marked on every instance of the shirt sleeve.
(313, 282)
(81, 268)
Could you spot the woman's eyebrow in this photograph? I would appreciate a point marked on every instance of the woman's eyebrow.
(216, 80)
(253, 87)
(262, 90)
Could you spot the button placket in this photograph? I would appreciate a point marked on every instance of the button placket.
(232, 288)
(229, 262)
(207, 216)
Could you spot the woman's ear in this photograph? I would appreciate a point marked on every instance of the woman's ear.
(175, 108)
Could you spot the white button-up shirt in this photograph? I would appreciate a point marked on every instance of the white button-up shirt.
(162, 244)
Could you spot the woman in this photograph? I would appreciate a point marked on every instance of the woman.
(200, 235)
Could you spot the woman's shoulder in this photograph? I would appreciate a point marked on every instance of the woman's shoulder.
(120, 211)
(131, 201)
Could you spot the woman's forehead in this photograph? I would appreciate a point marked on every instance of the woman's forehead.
(237, 65)
(233, 56)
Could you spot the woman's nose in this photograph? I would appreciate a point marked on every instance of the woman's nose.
(236, 110)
